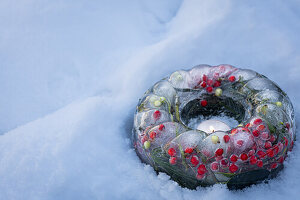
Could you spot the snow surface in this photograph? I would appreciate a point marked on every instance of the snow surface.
(71, 73)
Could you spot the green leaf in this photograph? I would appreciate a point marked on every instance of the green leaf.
(228, 175)
(271, 128)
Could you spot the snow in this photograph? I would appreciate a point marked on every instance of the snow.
(71, 73)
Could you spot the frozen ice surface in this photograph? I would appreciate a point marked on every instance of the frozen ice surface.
(196, 74)
(177, 79)
(247, 74)
(188, 139)
(71, 73)
(222, 70)
(148, 118)
(209, 148)
(165, 89)
(270, 96)
(170, 131)
(259, 84)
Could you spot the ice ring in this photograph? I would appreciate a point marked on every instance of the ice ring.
(214, 124)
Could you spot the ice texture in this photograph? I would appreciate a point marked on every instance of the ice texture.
(196, 75)
(151, 102)
(150, 118)
(273, 97)
(188, 139)
(208, 148)
(245, 74)
(222, 71)
(179, 79)
(170, 131)
(165, 89)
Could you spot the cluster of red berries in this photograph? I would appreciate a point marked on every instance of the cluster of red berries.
(210, 84)
(265, 150)
(261, 152)
(172, 153)
(263, 147)
(191, 157)
(153, 134)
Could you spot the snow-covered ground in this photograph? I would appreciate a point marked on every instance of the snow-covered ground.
(71, 73)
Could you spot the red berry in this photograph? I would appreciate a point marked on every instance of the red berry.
(276, 150)
(203, 84)
(259, 163)
(188, 150)
(255, 133)
(233, 168)
(272, 138)
(224, 162)
(268, 145)
(219, 152)
(271, 153)
(226, 138)
(286, 142)
(253, 160)
(203, 103)
(172, 160)
(204, 78)
(251, 152)
(244, 157)
(247, 125)
(233, 158)
(156, 115)
(281, 159)
(152, 135)
(261, 154)
(200, 176)
(264, 135)
(161, 127)
(209, 82)
(240, 143)
(280, 146)
(201, 169)
(209, 89)
(194, 160)
(261, 127)
(257, 121)
(231, 78)
(214, 166)
(273, 165)
(217, 84)
(172, 152)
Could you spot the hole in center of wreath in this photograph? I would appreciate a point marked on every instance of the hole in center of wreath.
(219, 114)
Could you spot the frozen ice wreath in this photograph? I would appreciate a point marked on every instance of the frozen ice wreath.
(215, 124)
